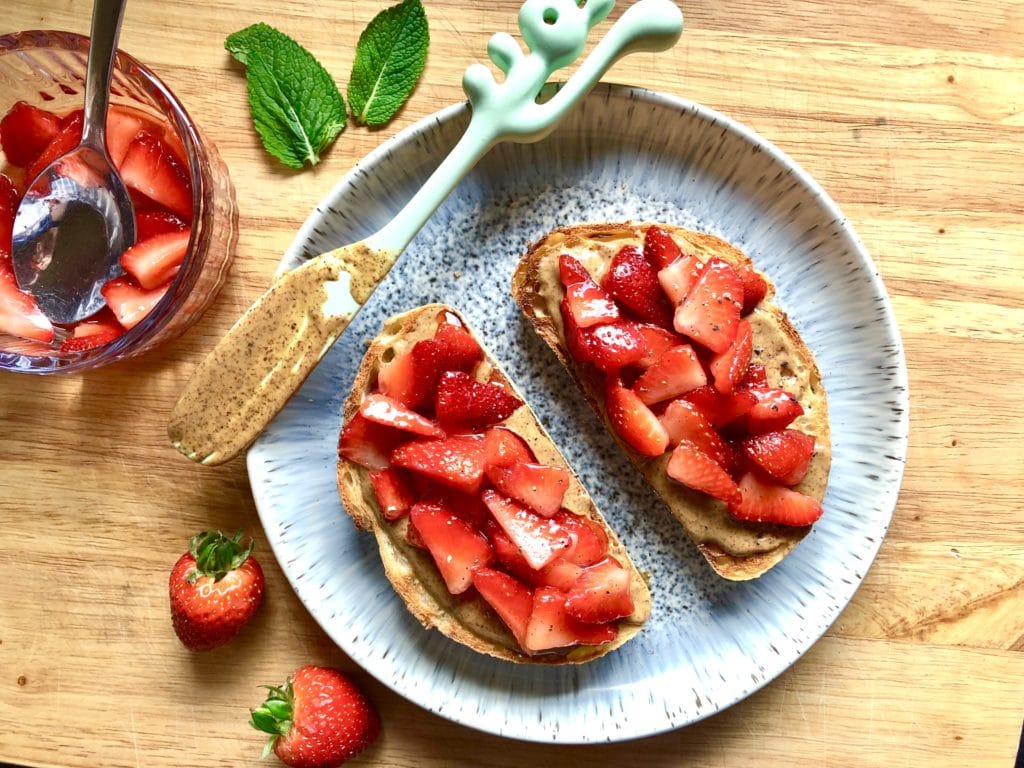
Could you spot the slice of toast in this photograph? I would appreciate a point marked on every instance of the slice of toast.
(736, 550)
(465, 618)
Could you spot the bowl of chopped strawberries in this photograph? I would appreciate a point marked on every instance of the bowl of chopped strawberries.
(185, 213)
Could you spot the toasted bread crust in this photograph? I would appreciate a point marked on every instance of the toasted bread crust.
(467, 620)
(755, 548)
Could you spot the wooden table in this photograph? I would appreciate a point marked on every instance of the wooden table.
(909, 112)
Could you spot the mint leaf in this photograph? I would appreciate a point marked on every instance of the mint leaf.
(296, 106)
(389, 60)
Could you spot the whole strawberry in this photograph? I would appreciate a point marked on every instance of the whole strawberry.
(215, 587)
(319, 719)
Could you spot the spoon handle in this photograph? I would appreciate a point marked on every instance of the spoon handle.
(106, 27)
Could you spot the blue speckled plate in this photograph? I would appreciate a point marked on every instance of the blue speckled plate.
(625, 153)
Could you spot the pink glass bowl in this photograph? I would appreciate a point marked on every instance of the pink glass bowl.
(47, 69)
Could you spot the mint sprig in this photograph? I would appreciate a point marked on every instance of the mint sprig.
(389, 59)
(296, 105)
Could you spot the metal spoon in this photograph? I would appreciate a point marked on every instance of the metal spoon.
(76, 218)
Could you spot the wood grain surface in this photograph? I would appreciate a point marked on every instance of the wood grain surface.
(911, 115)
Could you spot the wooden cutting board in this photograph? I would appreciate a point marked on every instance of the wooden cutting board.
(911, 115)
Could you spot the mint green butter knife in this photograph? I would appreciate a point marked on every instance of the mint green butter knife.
(253, 371)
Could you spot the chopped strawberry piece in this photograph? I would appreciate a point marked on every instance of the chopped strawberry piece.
(25, 131)
(462, 402)
(129, 302)
(394, 493)
(614, 346)
(538, 486)
(589, 540)
(412, 536)
(551, 626)
(391, 413)
(685, 421)
(539, 539)
(660, 249)
(785, 455)
(711, 312)
(560, 573)
(67, 138)
(633, 282)
(124, 124)
(156, 260)
(468, 506)
(457, 549)
(756, 375)
(9, 199)
(657, 341)
(152, 169)
(507, 553)
(761, 502)
(679, 277)
(458, 350)
(511, 600)
(94, 331)
(693, 468)
(633, 421)
(601, 594)
(729, 367)
(150, 223)
(19, 314)
(504, 448)
(575, 341)
(397, 380)
(677, 371)
(367, 443)
(773, 409)
(455, 461)
(589, 305)
(570, 271)
(721, 409)
(755, 287)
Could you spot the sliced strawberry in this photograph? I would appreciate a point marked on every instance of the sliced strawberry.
(456, 547)
(693, 468)
(711, 312)
(511, 600)
(539, 539)
(560, 573)
(468, 506)
(601, 594)
(67, 138)
(367, 443)
(721, 409)
(152, 169)
(538, 486)
(762, 502)
(633, 421)
(462, 402)
(124, 124)
(755, 287)
(94, 331)
(150, 223)
(677, 371)
(773, 409)
(25, 131)
(575, 341)
(678, 278)
(394, 493)
(785, 455)
(458, 350)
(129, 302)
(551, 626)
(685, 421)
(19, 314)
(589, 305)
(633, 282)
(614, 346)
(504, 448)
(455, 461)
(756, 375)
(660, 249)
(570, 271)
(391, 413)
(729, 367)
(507, 553)
(397, 380)
(156, 260)
(657, 341)
(589, 542)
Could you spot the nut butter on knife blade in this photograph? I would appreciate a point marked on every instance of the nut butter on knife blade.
(253, 371)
